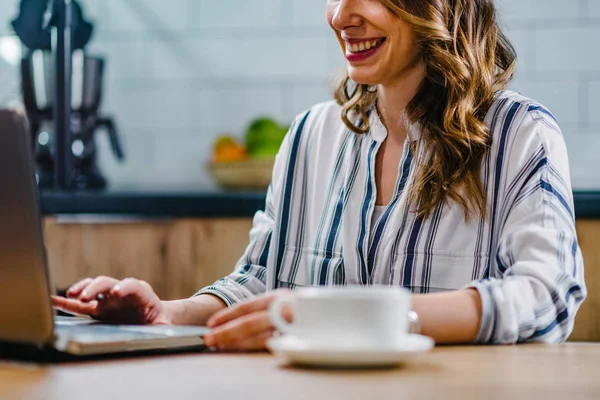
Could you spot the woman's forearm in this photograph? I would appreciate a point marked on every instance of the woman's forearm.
(450, 317)
(193, 311)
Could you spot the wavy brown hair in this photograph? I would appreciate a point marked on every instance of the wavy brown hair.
(467, 59)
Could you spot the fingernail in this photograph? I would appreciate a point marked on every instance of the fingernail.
(84, 293)
(116, 288)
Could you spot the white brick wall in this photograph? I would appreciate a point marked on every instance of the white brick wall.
(182, 71)
(593, 9)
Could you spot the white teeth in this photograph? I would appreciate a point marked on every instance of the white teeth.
(362, 46)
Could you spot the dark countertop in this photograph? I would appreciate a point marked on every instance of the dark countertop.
(209, 202)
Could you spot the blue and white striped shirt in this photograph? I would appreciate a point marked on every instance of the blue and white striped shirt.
(522, 257)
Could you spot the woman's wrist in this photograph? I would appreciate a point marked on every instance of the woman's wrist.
(451, 317)
(193, 311)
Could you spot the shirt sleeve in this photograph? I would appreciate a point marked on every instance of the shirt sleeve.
(537, 284)
(249, 276)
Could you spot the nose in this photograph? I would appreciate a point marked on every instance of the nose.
(345, 14)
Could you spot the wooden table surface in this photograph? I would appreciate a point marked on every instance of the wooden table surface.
(570, 371)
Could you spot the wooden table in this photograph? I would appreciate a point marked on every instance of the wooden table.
(529, 372)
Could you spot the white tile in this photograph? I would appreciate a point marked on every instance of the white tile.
(524, 42)
(537, 9)
(135, 169)
(10, 83)
(160, 110)
(207, 14)
(561, 97)
(94, 11)
(122, 57)
(584, 175)
(584, 162)
(171, 60)
(335, 57)
(593, 8)
(8, 11)
(230, 110)
(567, 49)
(163, 14)
(582, 145)
(303, 97)
(273, 58)
(594, 103)
(308, 13)
(182, 161)
(123, 17)
(146, 15)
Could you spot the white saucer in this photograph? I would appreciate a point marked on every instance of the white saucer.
(292, 350)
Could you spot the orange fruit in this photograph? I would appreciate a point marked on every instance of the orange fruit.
(227, 149)
(230, 154)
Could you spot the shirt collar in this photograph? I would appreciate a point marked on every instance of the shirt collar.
(379, 132)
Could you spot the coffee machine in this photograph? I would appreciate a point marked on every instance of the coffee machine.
(62, 93)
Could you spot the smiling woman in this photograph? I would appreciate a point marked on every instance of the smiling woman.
(426, 173)
(460, 58)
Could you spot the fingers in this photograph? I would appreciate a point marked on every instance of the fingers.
(229, 314)
(101, 284)
(76, 289)
(74, 306)
(131, 286)
(254, 343)
(239, 330)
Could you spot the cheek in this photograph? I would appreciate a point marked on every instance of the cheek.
(406, 47)
(330, 12)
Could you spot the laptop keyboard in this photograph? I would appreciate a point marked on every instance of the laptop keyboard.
(114, 333)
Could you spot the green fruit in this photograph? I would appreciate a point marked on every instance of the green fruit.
(264, 135)
(265, 151)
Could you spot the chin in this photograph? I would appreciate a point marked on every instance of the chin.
(363, 77)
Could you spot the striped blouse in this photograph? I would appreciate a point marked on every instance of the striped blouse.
(522, 257)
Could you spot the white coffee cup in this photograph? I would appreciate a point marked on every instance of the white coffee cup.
(375, 316)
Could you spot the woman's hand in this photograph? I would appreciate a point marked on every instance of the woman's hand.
(246, 326)
(129, 301)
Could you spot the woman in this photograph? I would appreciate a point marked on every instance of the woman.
(425, 174)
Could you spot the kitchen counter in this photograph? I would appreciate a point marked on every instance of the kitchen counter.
(210, 202)
(587, 204)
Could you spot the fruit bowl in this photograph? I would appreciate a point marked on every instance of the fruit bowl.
(248, 173)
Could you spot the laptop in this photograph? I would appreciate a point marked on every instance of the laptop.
(27, 319)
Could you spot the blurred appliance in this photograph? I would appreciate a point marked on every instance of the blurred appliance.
(33, 20)
(38, 87)
(62, 92)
